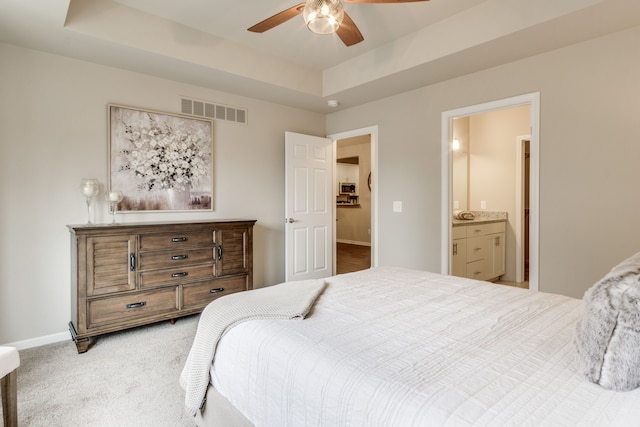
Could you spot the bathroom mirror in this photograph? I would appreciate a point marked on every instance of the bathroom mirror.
(460, 180)
(460, 165)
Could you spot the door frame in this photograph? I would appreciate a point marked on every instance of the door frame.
(520, 218)
(373, 132)
(531, 99)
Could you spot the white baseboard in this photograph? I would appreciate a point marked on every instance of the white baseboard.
(353, 242)
(40, 341)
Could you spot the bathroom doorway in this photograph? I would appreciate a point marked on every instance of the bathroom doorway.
(517, 233)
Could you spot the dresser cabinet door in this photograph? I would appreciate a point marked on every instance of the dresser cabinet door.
(231, 257)
(109, 264)
(495, 260)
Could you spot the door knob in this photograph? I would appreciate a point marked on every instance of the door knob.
(290, 220)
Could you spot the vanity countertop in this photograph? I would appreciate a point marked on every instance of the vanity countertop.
(481, 217)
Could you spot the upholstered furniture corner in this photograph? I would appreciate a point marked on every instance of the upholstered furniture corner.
(9, 362)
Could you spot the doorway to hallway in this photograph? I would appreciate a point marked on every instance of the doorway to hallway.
(355, 209)
(353, 203)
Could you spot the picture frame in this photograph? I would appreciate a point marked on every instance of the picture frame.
(159, 161)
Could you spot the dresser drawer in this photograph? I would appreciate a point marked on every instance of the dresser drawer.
(176, 240)
(127, 307)
(477, 229)
(175, 258)
(475, 270)
(475, 248)
(203, 293)
(495, 227)
(154, 278)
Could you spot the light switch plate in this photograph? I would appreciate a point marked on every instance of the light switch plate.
(397, 206)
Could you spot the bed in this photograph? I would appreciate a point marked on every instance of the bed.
(399, 347)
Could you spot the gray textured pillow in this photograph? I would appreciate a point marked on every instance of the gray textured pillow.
(607, 336)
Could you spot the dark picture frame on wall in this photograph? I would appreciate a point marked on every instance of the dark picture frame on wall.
(160, 161)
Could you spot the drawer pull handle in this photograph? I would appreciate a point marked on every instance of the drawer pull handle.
(178, 257)
(181, 274)
(132, 262)
(477, 249)
(216, 290)
(137, 304)
(219, 252)
(179, 239)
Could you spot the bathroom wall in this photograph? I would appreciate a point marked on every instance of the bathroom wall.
(492, 168)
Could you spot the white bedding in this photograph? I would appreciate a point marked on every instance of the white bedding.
(397, 347)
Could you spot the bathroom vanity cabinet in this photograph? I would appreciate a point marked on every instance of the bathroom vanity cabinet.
(478, 250)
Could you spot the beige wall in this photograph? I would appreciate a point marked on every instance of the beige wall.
(589, 150)
(53, 133)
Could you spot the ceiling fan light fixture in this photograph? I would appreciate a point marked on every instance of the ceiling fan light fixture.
(323, 16)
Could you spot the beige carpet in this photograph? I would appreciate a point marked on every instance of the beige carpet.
(128, 378)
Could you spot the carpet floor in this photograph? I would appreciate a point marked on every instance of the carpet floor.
(129, 378)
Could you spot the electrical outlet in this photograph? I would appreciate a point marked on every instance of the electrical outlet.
(397, 206)
(483, 204)
(456, 204)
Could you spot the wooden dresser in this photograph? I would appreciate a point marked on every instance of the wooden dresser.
(127, 275)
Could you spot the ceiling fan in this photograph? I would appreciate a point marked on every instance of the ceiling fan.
(323, 17)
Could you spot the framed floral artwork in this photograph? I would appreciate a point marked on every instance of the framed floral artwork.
(160, 161)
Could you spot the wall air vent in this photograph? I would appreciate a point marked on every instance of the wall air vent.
(213, 111)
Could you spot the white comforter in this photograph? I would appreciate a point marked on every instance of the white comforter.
(396, 347)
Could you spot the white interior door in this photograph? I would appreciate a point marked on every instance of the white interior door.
(309, 207)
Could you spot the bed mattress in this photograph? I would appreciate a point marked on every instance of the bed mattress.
(399, 347)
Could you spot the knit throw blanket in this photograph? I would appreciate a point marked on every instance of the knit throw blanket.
(291, 300)
(607, 336)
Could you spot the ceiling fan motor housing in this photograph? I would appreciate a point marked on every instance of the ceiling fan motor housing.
(323, 16)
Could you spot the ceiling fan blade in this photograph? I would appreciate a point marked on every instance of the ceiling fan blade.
(349, 32)
(277, 19)
(382, 1)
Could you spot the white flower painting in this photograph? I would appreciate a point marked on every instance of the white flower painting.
(160, 161)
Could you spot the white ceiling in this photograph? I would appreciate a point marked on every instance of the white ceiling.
(229, 19)
(205, 42)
